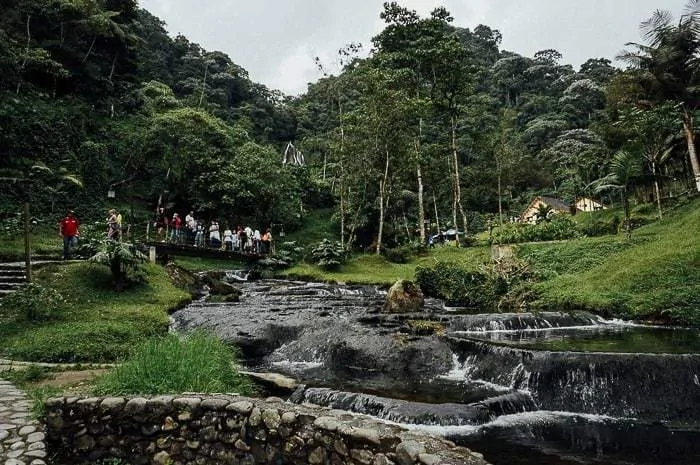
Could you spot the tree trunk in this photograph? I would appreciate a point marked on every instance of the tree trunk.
(419, 174)
(382, 196)
(657, 191)
(437, 218)
(500, 202)
(27, 245)
(204, 84)
(92, 44)
(689, 132)
(114, 64)
(342, 174)
(458, 187)
(26, 55)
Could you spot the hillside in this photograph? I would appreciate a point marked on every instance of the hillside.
(653, 276)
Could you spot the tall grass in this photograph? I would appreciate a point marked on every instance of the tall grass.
(172, 364)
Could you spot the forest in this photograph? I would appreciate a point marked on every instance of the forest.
(429, 126)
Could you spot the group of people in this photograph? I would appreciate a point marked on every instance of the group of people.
(195, 232)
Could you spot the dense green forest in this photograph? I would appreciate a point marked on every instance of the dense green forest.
(435, 126)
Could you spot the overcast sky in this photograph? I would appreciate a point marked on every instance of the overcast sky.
(276, 40)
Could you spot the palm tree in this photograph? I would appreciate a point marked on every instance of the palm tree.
(624, 170)
(669, 65)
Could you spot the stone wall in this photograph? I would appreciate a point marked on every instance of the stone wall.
(229, 429)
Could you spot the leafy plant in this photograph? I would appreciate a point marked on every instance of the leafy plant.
(125, 262)
(197, 363)
(91, 240)
(289, 252)
(328, 254)
(36, 302)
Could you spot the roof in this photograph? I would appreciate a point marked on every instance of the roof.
(556, 204)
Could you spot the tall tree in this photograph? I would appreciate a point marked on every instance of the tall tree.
(669, 62)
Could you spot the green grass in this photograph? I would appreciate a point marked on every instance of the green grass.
(373, 269)
(97, 323)
(172, 364)
(44, 241)
(317, 225)
(196, 265)
(655, 276)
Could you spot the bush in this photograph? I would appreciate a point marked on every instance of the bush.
(174, 364)
(561, 227)
(329, 255)
(12, 226)
(35, 302)
(91, 240)
(124, 261)
(289, 252)
(398, 255)
(455, 285)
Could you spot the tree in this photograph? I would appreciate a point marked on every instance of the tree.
(651, 135)
(623, 171)
(669, 67)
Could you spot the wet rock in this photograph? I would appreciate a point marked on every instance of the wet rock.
(408, 451)
(404, 297)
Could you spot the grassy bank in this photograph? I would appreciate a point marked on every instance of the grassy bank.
(45, 242)
(96, 324)
(373, 269)
(653, 276)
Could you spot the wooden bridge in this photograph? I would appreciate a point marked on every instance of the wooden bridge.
(163, 250)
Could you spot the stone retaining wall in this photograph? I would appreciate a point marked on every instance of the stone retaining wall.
(229, 429)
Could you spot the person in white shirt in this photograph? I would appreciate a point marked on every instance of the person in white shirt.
(214, 236)
(256, 241)
(228, 239)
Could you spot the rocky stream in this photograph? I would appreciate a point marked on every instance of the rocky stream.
(550, 388)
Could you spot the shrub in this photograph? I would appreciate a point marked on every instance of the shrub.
(124, 261)
(456, 285)
(329, 255)
(289, 252)
(172, 364)
(91, 240)
(398, 255)
(12, 226)
(559, 227)
(36, 302)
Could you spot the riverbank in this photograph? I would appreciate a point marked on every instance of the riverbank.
(654, 276)
(94, 322)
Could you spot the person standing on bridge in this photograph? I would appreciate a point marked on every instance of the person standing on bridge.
(199, 234)
(228, 239)
(176, 228)
(214, 235)
(161, 224)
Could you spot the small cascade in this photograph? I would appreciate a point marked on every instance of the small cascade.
(237, 275)
(651, 386)
(406, 412)
(493, 324)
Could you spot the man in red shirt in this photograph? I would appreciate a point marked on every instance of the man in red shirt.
(69, 231)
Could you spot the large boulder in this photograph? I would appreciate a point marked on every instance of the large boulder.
(404, 297)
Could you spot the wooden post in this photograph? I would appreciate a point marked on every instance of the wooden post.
(152, 254)
(27, 245)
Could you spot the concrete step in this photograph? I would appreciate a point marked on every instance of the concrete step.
(11, 273)
(10, 286)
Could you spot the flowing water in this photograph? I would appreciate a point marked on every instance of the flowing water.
(552, 388)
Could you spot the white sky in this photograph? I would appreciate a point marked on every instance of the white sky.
(276, 40)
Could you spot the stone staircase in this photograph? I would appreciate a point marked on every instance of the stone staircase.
(11, 277)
